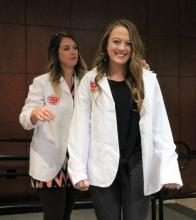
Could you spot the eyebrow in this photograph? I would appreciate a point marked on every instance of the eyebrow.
(119, 38)
(67, 45)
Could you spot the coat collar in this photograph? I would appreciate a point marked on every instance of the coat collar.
(103, 83)
(76, 83)
(64, 85)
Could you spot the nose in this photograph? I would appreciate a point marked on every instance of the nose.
(73, 51)
(122, 46)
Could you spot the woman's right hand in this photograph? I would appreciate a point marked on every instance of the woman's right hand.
(145, 65)
(82, 185)
(41, 114)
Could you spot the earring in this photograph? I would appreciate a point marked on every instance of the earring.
(106, 57)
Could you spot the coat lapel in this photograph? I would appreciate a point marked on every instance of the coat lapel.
(103, 83)
(64, 85)
(76, 83)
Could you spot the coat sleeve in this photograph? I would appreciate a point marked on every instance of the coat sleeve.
(34, 99)
(163, 143)
(79, 135)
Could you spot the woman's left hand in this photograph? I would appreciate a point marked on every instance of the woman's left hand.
(170, 186)
(82, 185)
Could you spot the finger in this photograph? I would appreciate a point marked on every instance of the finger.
(170, 186)
(82, 185)
(49, 114)
(147, 67)
(79, 184)
(81, 188)
(40, 116)
(45, 115)
(86, 183)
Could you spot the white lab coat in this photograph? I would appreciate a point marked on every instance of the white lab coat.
(93, 141)
(49, 142)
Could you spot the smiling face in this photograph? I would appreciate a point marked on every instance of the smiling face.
(119, 46)
(68, 53)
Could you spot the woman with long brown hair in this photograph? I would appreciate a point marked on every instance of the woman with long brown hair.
(120, 143)
(48, 110)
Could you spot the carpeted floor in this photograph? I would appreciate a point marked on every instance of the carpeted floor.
(172, 211)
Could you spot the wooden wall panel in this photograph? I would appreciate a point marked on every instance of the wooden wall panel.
(189, 177)
(50, 13)
(187, 55)
(13, 190)
(12, 11)
(29, 79)
(187, 18)
(175, 126)
(11, 129)
(88, 41)
(95, 15)
(188, 110)
(10, 148)
(12, 53)
(170, 91)
(38, 39)
(162, 17)
(12, 94)
(162, 55)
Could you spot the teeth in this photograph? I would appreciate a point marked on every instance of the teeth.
(119, 54)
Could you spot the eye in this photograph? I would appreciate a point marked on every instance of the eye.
(116, 42)
(128, 44)
(75, 47)
(66, 48)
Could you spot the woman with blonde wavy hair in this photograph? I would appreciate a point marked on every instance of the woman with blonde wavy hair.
(120, 142)
(133, 74)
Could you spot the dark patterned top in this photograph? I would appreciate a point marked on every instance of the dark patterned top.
(60, 180)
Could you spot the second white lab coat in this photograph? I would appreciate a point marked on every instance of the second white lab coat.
(49, 142)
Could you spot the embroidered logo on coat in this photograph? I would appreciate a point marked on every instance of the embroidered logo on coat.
(93, 85)
(53, 100)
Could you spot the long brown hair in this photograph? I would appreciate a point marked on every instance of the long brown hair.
(134, 72)
(54, 66)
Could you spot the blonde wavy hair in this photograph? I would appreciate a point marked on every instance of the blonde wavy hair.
(54, 66)
(134, 71)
